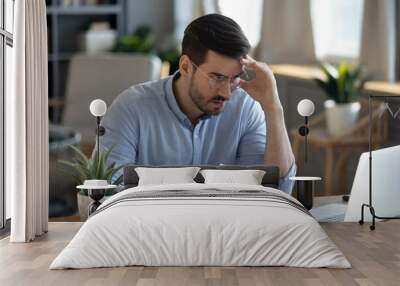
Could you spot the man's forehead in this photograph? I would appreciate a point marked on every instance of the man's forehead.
(218, 63)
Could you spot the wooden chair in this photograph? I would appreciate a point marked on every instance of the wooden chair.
(354, 138)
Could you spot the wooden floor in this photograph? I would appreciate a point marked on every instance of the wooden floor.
(375, 257)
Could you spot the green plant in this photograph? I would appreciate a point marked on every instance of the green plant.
(341, 83)
(84, 168)
(172, 56)
(141, 41)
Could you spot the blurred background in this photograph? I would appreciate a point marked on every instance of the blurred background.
(98, 48)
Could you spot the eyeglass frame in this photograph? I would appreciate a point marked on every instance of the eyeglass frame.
(217, 84)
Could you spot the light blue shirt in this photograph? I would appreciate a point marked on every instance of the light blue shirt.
(145, 126)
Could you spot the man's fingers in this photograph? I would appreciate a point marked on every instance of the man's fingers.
(248, 62)
(251, 64)
(248, 57)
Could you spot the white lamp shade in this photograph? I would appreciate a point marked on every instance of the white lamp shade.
(98, 107)
(305, 107)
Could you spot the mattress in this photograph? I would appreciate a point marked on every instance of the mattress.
(201, 225)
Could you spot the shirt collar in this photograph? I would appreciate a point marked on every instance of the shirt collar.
(170, 97)
(173, 104)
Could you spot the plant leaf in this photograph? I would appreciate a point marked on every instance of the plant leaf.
(112, 172)
(331, 80)
(341, 84)
(92, 168)
(80, 154)
(74, 173)
(76, 167)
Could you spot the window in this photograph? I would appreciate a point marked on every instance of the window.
(248, 14)
(185, 11)
(6, 42)
(337, 29)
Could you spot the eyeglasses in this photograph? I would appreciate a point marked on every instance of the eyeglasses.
(220, 81)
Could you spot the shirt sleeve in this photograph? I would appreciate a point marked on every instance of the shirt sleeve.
(285, 184)
(121, 133)
(252, 143)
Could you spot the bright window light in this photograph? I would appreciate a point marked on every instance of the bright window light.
(248, 14)
(337, 29)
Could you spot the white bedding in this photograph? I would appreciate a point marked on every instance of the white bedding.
(183, 231)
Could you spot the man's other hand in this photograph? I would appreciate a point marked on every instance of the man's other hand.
(263, 87)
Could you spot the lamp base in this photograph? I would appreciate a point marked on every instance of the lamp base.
(305, 193)
(96, 195)
(305, 190)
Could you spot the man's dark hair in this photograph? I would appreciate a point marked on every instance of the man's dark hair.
(214, 32)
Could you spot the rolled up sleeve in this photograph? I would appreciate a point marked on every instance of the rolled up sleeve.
(285, 184)
(252, 143)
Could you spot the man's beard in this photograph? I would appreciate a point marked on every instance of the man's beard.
(201, 103)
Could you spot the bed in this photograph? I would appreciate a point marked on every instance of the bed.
(201, 224)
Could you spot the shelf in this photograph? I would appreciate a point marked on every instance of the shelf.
(85, 10)
(65, 23)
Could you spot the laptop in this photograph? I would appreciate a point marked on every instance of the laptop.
(385, 185)
(385, 191)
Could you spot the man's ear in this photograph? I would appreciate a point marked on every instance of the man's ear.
(185, 68)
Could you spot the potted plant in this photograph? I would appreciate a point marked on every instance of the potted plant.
(84, 168)
(342, 85)
(143, 41)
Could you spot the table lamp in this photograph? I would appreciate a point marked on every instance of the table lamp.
(98, 108)
(305, 185)
(305, 108)
(96, 188)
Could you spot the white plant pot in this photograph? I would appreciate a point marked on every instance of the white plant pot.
(83, 204)
(341, 117)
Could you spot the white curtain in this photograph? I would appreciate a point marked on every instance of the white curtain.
(27, 124)
(378, 45)
(286, 35)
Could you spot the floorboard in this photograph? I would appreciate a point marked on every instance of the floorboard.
(374, 255)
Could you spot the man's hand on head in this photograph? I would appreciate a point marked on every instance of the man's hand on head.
(263, 87)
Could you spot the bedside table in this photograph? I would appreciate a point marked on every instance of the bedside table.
(305, 190)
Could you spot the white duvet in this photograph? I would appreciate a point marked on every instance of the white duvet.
(183, 231)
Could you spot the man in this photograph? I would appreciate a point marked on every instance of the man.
(205, 113)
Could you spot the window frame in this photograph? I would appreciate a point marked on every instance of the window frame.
(6, 39)
(215, 6)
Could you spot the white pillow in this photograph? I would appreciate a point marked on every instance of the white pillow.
(163, 176)
(249, 177)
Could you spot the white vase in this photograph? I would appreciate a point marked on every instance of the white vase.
(341, 117)
(83, 204)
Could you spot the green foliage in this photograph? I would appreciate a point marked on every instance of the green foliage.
(83, 168)
(142, 41)
(172, 56)
(342, 83)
